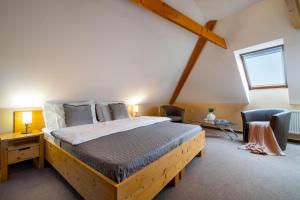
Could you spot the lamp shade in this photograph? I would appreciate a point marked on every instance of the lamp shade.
(27, 117)
(136, 108)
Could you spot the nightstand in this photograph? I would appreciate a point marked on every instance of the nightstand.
(17, 147)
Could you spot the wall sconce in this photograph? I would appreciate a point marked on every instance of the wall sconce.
(26, 119)
(136, 110)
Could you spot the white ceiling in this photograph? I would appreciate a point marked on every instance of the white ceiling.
(219, 9)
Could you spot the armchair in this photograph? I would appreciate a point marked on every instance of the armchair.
(279, 121)
(175, 113)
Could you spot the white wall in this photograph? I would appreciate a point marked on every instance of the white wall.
(74, 49)
(215, 77)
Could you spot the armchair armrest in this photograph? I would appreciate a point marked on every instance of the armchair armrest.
(281, 120)
(280, 124)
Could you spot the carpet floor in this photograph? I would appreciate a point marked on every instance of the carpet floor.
(223, 173)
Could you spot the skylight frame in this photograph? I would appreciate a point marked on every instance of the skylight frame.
(272, 86)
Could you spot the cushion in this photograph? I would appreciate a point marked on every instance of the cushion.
(54, 116)
(103, 113)
(76, 115)
(91, 103)
(119, 111)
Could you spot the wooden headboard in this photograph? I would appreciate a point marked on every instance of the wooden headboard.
(37, 121)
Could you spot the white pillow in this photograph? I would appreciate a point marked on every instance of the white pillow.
(54, 114)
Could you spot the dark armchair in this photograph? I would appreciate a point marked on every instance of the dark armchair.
(279, 120)
(175, 113)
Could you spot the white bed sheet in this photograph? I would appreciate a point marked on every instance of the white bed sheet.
(79, 134)
(50, 137)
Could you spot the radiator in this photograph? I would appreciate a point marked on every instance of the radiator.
(295, 122)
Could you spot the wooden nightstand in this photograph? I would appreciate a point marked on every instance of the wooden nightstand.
(17, 147)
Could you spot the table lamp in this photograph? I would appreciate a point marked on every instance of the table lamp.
(26, 119)
(136, 109)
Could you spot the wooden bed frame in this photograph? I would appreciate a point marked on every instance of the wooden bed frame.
(144, 184)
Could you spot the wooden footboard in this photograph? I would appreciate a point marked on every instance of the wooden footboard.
(86, 180)
(145, 184)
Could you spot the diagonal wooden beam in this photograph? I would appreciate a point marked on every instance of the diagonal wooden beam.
(191, 62)
(167, 12)
(294, 12)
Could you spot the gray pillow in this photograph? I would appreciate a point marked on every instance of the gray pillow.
(119, 111)
(78, 115)
(103, 113)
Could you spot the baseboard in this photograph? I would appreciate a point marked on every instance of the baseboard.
(294, 141)
(295, 138)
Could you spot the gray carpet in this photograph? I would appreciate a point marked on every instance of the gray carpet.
(223, 173)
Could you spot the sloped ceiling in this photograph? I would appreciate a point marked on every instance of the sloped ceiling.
(219, 9)
(215, 77)
(74, 49)
(114, 50)
(189, 8)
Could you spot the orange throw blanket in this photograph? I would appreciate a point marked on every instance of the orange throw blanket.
(262, 140)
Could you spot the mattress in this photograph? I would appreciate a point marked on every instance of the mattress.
(120, 155)
(50, 137)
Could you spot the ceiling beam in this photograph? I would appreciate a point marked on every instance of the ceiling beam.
(294, 12)
(164, 10)
(191, 62)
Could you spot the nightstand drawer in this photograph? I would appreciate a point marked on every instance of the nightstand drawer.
(23, 154)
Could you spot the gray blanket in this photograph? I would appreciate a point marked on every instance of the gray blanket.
(120, 155)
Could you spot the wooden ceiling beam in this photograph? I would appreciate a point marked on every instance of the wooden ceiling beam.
(294, 12)
(171, 14)
(191, 62)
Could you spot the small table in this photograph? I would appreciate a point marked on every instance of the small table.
(222, 124)
(17, 147)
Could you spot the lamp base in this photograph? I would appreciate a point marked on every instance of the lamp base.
(26, 130)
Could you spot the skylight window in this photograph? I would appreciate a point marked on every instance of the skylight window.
(265, 68)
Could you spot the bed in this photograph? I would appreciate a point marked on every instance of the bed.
(134, 162)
